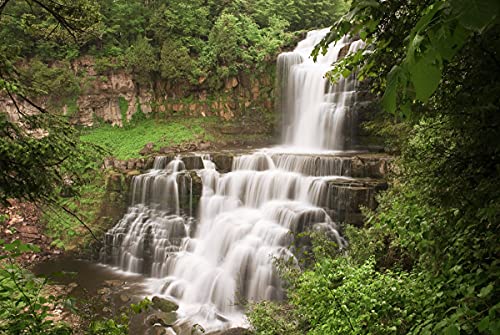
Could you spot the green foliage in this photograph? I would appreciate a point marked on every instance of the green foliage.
(126, 143)
(177, 41)
(423, 38)
(141, 59)
(236, 43)
(118, 326)
(338, 295)
(42, 149)
(109, 327)
(35, 166)
(301, 14)
(175, 62)
(85, 202)
(123, 105)
(24, 307)
(45, 80)
(47, 29)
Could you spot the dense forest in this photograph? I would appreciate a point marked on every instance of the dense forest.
(176, 41)
(424, 262)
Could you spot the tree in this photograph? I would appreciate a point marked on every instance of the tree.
(40, 151)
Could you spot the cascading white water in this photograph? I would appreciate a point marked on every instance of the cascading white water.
(247, 217)
(152, 227)
(314, 111)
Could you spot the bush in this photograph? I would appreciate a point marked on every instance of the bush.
(24, 308)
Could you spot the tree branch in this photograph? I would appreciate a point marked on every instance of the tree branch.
(82, 223)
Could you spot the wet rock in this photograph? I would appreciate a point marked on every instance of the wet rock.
(148, 149)
(161, 318)
(344, 51)
(164, 305)
(109, 163)
(165, 150)
(223, 162)
(204, 145)
(157, 330)
(124, 298)
(133, 173)
(104, 291)
(114, 182)
(192, 162)
(190, 190)
(114, 283)
(371, 167)
(345, 197)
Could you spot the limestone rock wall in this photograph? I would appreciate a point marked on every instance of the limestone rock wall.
(240, 97)
(101, 94)
(115, 96)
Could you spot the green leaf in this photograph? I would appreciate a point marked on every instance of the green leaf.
(484, 324)
(452, 330)
(425, 74)
(390, 94)
(476, 14)
(485, 291)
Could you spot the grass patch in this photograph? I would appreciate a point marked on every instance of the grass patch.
(125, 143)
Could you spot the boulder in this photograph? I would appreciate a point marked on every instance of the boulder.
(164, 305)
(124, 298)
(161, 318)
(223, 162)
(114, 283)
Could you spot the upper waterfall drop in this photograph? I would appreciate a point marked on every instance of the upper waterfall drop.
(316, 114)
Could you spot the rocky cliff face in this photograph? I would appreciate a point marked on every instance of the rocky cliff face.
(115, 97)
(101, 94)
(240, 96)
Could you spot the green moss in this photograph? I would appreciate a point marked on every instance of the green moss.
(123, 104)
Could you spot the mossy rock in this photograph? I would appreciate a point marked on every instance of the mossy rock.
(164, 305)
(165, 319)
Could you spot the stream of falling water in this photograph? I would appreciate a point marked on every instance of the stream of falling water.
(246, 218)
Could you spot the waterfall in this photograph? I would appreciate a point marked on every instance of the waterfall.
(315, 112)
(213, 254)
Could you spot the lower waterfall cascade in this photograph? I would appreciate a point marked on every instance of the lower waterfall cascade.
(211, 251)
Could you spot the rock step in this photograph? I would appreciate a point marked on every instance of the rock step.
(365, 165)
(342, 198)
(356, 165)
(345, 198)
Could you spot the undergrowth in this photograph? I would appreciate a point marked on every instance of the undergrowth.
(125, 143)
